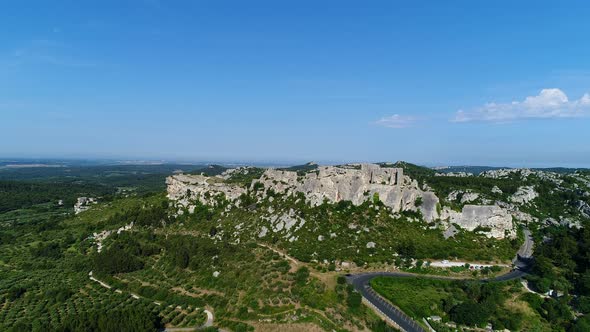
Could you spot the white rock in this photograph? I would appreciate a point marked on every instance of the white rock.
(455, 174)
(202, 188)
(524, 195)
(263, 231)
(469, 197)
(466, 196)
(494, 217)
(83, 204)
(355, 183)
(453, 195)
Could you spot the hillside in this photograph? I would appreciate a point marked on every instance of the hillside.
(267, 248)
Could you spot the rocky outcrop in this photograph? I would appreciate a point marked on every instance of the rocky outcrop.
(563, 221)
(524, 195)
(245, 170)
(506, 172)
(455, 174)
(517, 215)
(100, 237)
(83, 204)
(584, 208)
(355, 183)
(465, 196)
(184, 188)
(523, 174)
(495, 221)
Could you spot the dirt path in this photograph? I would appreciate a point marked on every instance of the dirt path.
(208, 323)
(293, 260)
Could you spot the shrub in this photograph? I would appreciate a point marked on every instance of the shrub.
(354, 300)
(469, 313)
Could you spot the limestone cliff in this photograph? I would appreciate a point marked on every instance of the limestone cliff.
(355, 183)
(495, 221)
(183, 188)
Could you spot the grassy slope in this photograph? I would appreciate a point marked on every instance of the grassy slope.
(425, 297)
(373, 224)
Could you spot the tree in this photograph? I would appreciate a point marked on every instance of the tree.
(584, 283)
(581, 325)
(354, 300)
(469, 313)
(116, 260)
(301, 275)
(582, 304)
(15, 292)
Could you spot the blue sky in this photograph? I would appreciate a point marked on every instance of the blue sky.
(431, 82)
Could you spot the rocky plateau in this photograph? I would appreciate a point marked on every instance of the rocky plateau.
(356, 183)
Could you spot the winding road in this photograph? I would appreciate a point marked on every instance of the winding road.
(361, 282)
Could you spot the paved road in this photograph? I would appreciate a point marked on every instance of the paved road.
(525, 253)
(361, 283)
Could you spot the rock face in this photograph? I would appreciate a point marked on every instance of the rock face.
(524, 195)
(466, 196)
(584, 208)
(497, 219)
(184, 188)
(496, 190)
(355, 183)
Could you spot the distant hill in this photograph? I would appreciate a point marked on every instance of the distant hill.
(479, 169)
(467, 169)
(310, 166)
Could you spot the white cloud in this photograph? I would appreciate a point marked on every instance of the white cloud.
(549, 103)
(396, 121)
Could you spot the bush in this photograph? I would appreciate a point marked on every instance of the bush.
(15, 292)
(116, 260)
(47, 250)
(301, 275)
(126, 319)
(354, 300)
(582, 304)
(581, 325)
(469, 313)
